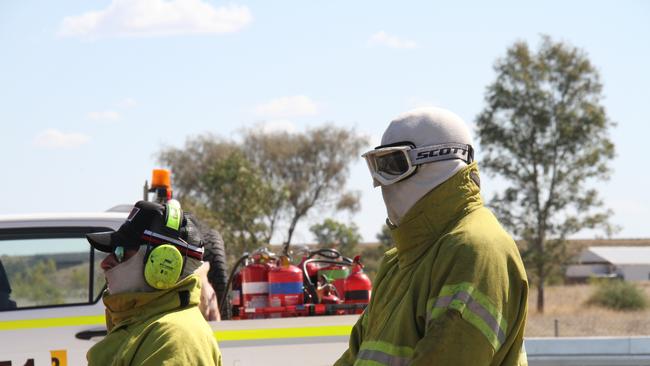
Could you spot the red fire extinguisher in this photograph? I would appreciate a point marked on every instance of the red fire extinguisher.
(327, 294)
(358, 287)
(336, 275)
(255, 284)
(285, 284)
(312, 269)
(236, 295)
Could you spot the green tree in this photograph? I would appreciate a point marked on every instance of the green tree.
(331, 233)
(545, 131)
(385, 238)
(247, 189)
(238, 199)
(313, 167)
(78, 279)
(189, 163)
(215, 180)
(38, 285)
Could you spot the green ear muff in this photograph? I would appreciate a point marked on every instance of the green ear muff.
(163, 267)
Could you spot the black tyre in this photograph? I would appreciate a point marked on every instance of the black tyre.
(215, 253)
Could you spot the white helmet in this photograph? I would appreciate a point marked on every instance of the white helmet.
(419, 150)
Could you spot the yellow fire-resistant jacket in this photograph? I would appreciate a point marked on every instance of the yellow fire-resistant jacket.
(452, 292)
(156, 328)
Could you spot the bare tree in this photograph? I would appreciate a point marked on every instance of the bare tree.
(224, 189)
(312, 166)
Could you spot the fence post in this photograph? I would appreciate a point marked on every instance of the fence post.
(557, 328)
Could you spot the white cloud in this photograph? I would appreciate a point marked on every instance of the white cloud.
(286, 107)
(147, 18)
(55, 139)
(104, 115)
(384, 39)
(277, 126)
(127, 103)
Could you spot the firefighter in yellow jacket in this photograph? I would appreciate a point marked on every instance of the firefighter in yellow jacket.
(152, 298)
(453, 291)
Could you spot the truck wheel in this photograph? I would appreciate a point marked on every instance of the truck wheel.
(215, 253)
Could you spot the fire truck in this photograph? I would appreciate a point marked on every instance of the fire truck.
(296, 307)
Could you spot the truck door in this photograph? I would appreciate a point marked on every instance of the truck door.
(50, 286)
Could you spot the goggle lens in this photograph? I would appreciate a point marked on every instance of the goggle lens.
(394, 163)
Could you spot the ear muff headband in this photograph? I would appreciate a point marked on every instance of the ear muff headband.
(164, 263)
(173, 215)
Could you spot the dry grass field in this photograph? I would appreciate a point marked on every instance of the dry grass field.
(575, 319)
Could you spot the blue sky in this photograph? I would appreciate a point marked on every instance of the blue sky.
(91, 90)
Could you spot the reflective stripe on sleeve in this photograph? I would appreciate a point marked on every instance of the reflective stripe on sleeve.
(374, 353)
(474, 308)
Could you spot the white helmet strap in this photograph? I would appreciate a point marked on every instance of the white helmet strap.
(433, 153)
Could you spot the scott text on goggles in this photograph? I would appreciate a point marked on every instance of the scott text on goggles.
(440, 152)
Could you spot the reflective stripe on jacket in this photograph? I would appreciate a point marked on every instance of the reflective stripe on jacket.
(452, 292)
(156, 328)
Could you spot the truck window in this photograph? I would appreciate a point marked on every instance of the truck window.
(39, 271)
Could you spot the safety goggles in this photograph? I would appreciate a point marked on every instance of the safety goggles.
(392, 163)
(121, 253)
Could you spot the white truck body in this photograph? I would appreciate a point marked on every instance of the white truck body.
(55, 323)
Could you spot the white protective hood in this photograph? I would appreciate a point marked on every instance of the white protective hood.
(422, 127)
(128, 276)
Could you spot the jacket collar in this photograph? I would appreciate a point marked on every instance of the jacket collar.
(128, 308)
(433, 214)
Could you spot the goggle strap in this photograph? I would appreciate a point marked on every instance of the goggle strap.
(450, 151)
